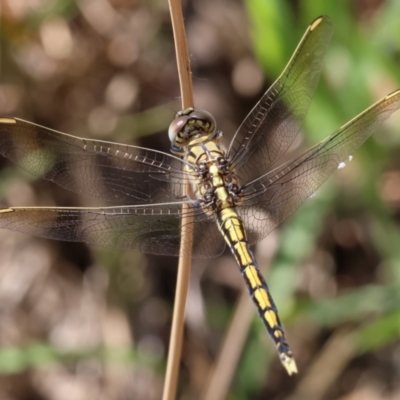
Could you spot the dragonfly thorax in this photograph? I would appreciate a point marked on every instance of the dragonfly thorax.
(216, 186)
(191, 127)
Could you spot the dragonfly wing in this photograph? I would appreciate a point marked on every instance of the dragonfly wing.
(113, 172)
(152, 229)
(272, 125)
(269, 200)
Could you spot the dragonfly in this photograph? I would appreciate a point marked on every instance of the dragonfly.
(238, 194)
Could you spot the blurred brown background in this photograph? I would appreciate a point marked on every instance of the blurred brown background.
(84, 323)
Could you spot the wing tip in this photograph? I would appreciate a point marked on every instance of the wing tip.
(318, 21)
(8, 121)
(6, 210)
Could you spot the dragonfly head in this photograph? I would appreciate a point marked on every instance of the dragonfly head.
(191, 127)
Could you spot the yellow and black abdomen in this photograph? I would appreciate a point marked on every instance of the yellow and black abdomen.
(231, 227)
(214, 190)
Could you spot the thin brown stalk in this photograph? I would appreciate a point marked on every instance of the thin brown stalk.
(221, 374)
(328, 366)
(182, 284)
(182, 53)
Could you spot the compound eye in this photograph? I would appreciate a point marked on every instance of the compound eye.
(176, 126)
(205, 117)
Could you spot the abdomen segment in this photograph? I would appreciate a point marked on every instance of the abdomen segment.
(231, 227)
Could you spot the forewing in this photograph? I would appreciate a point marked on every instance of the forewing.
(272, 125)
(152, 229)
(269, 200)
(112, 172)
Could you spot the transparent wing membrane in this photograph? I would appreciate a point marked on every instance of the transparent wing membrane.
(112, 172)
(269, 200)
(154, 230)
(150, 184)
(272, 125)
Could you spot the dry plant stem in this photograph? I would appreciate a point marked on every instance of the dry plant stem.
(182, 53)
(182, 284)
(225, 366)
(327, 367)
